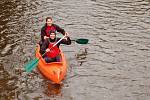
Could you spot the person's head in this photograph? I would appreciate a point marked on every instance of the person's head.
(49, 21)
(52, 35)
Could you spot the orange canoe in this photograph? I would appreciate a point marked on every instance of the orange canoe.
(54, 71)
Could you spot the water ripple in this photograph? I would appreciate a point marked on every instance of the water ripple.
(113, 65)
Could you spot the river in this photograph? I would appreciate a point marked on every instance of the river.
(114, 65)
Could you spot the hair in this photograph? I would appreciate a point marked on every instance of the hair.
(48, 18)
(52, 31)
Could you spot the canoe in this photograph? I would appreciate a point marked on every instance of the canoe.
(54, 71)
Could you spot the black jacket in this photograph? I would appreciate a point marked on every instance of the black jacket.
(46, 43)
(43, 31)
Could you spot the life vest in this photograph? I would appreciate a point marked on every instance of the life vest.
(54, 51)
(48, 29)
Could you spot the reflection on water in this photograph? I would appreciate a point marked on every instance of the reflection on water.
(53, 89)
(113, 66)
(81, 56)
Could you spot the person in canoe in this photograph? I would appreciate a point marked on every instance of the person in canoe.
(48, 27)
(53, 54)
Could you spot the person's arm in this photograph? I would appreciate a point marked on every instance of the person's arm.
(59, 29)
(44, 46)
(66, 41)
(43, 33)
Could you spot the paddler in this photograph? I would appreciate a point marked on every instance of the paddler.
(48, 27)
(53, 54)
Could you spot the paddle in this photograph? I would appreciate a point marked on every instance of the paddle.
(33, 63)
(81, 41)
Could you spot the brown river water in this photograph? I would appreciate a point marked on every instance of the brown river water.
(114, 65)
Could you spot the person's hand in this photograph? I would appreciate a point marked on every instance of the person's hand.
(45, 37)
(48, 50)
(66, 34)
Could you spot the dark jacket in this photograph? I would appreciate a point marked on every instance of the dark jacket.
(43, 31)
(46, 43)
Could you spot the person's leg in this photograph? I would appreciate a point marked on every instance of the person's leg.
(58, 58)
(48, 60)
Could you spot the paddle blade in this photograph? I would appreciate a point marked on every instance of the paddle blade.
(31, 65)
(82, 41)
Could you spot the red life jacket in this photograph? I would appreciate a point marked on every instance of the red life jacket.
(48, 29)
(53, 51)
